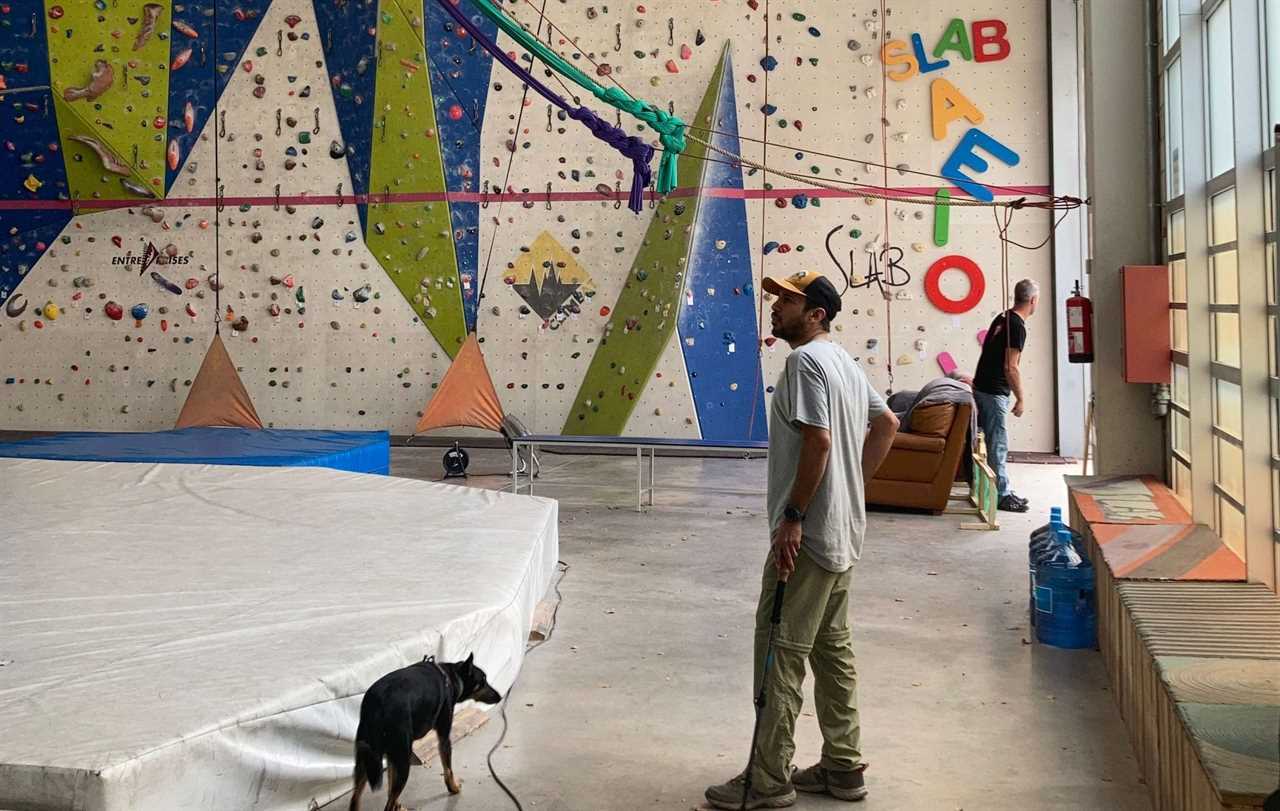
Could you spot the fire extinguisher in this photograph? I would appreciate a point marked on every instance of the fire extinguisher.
(1079, 328)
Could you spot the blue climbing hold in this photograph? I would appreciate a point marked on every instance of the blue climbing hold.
(768, 63)
(800, 200)
(768, 109)
(770, 247)
(139, 311)
(813, 32)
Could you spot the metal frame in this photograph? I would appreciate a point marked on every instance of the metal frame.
(1070, 241)
(1252, 157)
(644, 495)
(1248, 67)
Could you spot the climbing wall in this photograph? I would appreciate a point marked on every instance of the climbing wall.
(361, 147)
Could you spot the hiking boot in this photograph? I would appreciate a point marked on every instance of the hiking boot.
(1011, 504)
(1017, 497)
(729, 796)
(842, 785)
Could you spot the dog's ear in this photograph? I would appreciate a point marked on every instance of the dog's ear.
(470, 659)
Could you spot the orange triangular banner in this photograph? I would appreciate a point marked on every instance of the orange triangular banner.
(218, 397)
(466, 397)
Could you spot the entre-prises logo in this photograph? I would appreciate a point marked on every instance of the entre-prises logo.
(149, 256)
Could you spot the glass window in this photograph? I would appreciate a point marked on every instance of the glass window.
(1221, 115)
(1222, 217)
(1178, 232)
(1273, 66)
(1226, 284)
(1182, 482)
(1275, 431)
(1173, 130)
(1271, 345)
(1230, 473)
(1268, 201)
(1227, 406)
(1181, 389)
(1226, 338)
(1171, 29)
(1270, 273)
(1231, 526)
(1178, 280)
(1275, 498)
(1181, 433)
(1178, 324)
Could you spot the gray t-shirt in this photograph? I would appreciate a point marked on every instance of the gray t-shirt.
(824, 387)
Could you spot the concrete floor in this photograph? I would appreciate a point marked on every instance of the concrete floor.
(642, 696)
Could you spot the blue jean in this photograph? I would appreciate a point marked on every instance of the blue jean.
(992, 409)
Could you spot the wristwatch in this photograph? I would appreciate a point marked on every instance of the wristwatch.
(792, 514)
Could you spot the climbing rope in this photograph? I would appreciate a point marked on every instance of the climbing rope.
(854, 189)
(670, 129)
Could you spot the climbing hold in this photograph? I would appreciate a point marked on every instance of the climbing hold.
(113, 311)
(139, 311)
(769, 63)
(51, 311)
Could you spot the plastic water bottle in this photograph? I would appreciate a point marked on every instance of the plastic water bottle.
(1066, 609)
(1041, 539)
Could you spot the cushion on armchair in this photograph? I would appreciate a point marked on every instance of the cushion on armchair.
(934, 420)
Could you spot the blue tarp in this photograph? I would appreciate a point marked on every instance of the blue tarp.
(354, 451)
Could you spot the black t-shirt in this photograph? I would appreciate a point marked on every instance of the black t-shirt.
(990, 377)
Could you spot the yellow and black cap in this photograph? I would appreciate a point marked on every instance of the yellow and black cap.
(812, 285)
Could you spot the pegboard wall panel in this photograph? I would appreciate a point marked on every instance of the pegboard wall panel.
(306, 101)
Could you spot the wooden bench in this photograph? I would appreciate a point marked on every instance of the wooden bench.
(531, 443)
(1192, 649)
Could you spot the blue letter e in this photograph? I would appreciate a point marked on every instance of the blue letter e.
(964, 156)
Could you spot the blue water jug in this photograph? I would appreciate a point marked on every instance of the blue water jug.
(1041, 539)
(1065, 605)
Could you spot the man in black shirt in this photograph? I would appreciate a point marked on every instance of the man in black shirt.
(997, 377)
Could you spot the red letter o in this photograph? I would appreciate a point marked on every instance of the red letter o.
(977, 284)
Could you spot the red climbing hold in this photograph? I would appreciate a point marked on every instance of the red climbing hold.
(604, 311)
(455, 113)
(780, 202)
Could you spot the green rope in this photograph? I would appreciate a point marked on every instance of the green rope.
(670, 128)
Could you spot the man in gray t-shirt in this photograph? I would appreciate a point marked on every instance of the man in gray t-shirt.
(820, 455)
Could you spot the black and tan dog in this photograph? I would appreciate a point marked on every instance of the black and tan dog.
(402, 707)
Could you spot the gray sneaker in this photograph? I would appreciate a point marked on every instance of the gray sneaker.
(728, 796)
(842, 785)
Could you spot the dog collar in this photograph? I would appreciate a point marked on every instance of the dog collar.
(449, 681)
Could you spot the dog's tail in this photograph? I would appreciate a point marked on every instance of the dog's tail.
(369, 763)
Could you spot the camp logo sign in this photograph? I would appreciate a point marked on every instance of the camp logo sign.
(149, 256)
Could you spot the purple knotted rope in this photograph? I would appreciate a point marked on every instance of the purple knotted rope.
(640, 153)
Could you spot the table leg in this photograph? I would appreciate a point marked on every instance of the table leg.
(515, 467)
(651, 477)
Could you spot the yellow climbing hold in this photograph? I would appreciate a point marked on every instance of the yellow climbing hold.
(51, 311)
(32, 184)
